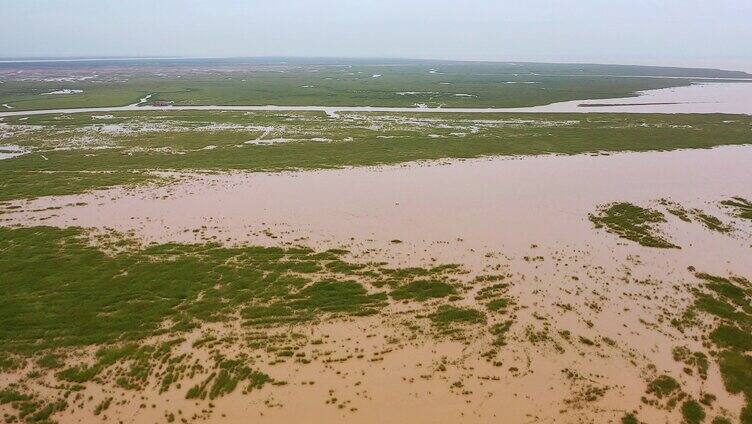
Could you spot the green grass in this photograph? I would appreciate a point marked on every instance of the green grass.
(730, 301)
(105, 159)
(741, 206)
(11, 395)
(422, 290)
(232, 372)
(59, 288)
(498, 305)
(62, 294)
(103, 406)
(727, 336)
(30, 183)
(138, 291)
(678, 211)
(331, 296)
(629, 418)
(736, 369)
(499, 332)
(692, 412)
(448, 314)
(711, 222)
(50, 361)
(9, 362)
(633, 223)
(663, 386)
(340, 82)
(695, 360)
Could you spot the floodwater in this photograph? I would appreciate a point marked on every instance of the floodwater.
(490, 204)
(709, 97)
(482, 214)
(697, 98)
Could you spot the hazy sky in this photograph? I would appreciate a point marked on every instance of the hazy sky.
(672, 32)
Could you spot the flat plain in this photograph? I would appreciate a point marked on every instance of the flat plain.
(219, 266)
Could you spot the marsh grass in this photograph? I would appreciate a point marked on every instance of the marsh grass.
(66, 291)
(231, 373)
(447, 315)
(90, 297)
(692, 412)
(711, 222)
(663, 386)
(201, 140)
(422, 290)
(343, 82)
(633, 223)
(741, 206)
(729, 300)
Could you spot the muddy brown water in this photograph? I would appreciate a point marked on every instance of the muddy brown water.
(495, 204)
(481, 213)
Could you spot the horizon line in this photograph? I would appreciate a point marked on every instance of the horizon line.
(63, 59)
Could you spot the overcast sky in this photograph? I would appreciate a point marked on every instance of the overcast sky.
(662, 32)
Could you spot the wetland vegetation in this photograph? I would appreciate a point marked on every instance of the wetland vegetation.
(329, 82)
(94, 322)
(634, 223)
(135, 305)
(741, 206)
(642, 225)
(67, 154)
(728, 301)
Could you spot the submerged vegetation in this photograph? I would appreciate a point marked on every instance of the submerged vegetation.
(729, 302)
(709, 221)
(692, 412)
(136, 307)
(421, 290)
(641, 225)
(633, 223)
(174, 287)
(448, 315)
(741, 206)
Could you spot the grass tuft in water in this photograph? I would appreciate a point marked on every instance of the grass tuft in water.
(448, 314)
(729, 300)
(633, 223)
(422, 290)
(742, 207)
(692, 412)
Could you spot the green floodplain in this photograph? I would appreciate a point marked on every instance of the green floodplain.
(331, 82)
